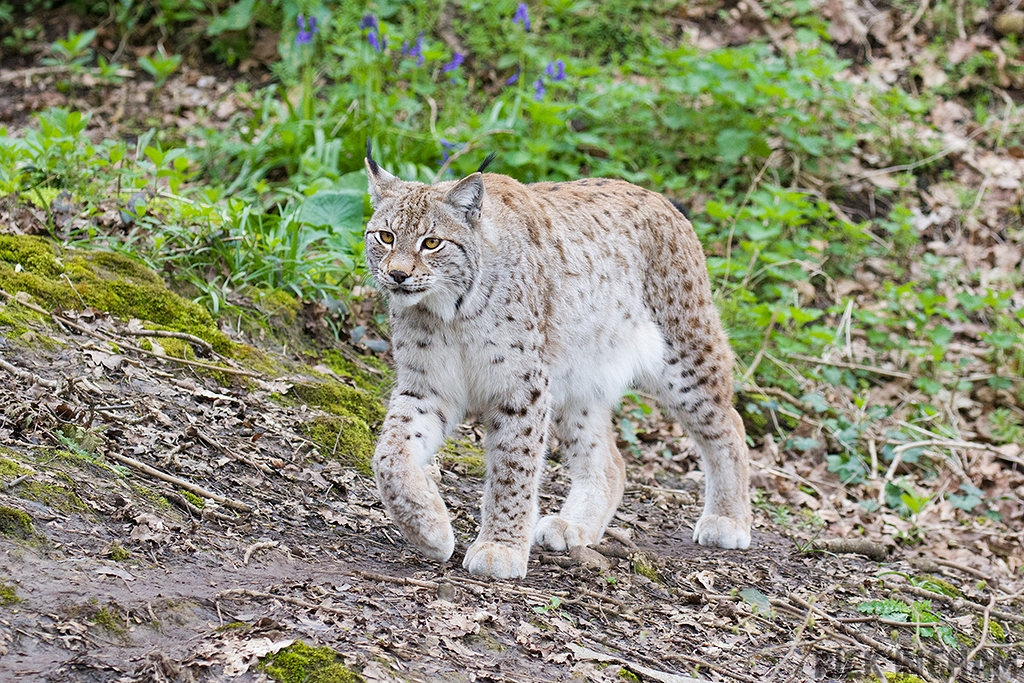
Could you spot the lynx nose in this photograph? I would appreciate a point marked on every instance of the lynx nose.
(399, 276)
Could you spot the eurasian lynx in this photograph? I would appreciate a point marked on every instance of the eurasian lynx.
(535, 307)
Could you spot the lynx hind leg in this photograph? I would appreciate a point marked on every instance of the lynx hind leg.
(598, 475)
(697, 387)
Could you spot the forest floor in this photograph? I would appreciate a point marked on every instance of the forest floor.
(121, 577)
(159, 525)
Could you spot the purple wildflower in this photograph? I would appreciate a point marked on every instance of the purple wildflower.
(522, 15)
(556, 70)
(514, 77)
(415, 51)
(373, 38)
(539, 90)
(306, 30)
(446, 146)
(451, 66)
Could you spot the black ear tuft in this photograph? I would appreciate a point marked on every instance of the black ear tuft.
(487, 162)
(374, 168)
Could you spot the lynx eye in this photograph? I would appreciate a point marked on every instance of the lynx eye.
(386, 237)
(431, 243)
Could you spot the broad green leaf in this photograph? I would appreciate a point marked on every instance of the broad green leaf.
(237, 18)
(342, 210)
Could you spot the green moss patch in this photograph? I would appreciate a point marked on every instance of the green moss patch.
(464, 457)
(117, 553)
(374, 382)
(10, 470)
(15, 523)
(347, 434)
(109, 620)
(7, 595)
(106, 281)
(300, 663)
(347, 439)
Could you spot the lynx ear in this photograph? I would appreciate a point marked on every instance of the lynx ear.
(381, 183)
(467, 197)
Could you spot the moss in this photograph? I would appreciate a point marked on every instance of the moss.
(300, 663)
(464, 458)
(15, 523)
(277, 304)
(57, 496)
(374, 383)
(337, 398)
(627, 675)
(347, 439)
(7, 595)
(939, 585)
(177, 348)
(995, 630)
(902, 678)
(198, 501)
(642, 565)
(108, 620)
(347, 434)
(110, 282)
(11, 470)
(257, 360)
(236, 626)
(117, 553)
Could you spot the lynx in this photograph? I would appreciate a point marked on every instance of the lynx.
(534, 307)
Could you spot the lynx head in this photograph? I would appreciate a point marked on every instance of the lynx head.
(423, 242)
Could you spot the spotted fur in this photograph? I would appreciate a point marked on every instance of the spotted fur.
(535, 307)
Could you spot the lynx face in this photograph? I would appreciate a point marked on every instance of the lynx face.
(422, 246)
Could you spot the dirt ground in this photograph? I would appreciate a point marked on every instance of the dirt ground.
(123, 578)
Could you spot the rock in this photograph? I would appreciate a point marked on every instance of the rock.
(1010, 22)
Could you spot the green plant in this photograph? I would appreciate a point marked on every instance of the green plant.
(1007, 426)
(918, 612)
(160, 66)
(73, 51)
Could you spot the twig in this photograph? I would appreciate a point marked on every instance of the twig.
(888, 651)
(909, 26)
(963, 568)
(780, 393)
(851, 366)
(760, 352)
(84, 330)
(981, 641)
(263, 545)
(188, 486)
(170, 333)
(55, 69)
(27, 376)
(857, 546)
(400, 580)
(17, 480)
(201, 513)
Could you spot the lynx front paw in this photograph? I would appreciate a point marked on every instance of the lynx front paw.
(555, 533)
(414, 504)
(724, 532)
(486, 558)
